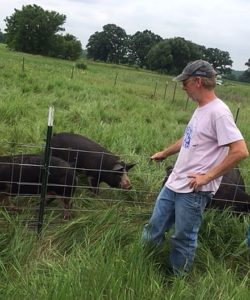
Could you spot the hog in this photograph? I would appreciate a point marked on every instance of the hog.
(98, 163)
(231, 192)
(22, 175)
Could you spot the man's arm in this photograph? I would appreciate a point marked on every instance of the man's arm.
(174, 148)
(237, 152)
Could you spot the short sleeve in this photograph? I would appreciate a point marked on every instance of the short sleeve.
(227, 131)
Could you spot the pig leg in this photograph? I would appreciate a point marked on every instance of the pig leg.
(9, 206)
(5, 200)
(93, 183)
(66, 202)
(49, 199)
(67, 207)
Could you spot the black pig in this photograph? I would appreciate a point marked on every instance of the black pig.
(98, 163)
(231, 192)
(21, 175)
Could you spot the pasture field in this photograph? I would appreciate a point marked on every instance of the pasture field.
(97, 254)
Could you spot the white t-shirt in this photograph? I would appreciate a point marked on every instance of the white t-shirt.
(204, 145)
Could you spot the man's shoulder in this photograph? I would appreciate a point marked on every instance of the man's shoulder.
(218, 105)
(219, 102)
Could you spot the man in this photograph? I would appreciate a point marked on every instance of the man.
(211, 145)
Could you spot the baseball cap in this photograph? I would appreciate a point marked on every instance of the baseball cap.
(196, 68)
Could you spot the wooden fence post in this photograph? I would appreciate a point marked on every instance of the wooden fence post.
(237, 114)
(115, 79)
(155, 89)
(165, 91)
(174, 92)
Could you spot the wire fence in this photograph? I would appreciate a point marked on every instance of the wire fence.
(69, 188)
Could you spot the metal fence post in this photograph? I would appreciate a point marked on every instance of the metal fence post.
(45, 170)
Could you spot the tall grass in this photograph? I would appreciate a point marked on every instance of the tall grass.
(98, 254)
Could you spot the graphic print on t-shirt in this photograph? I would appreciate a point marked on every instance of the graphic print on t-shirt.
(187, 136)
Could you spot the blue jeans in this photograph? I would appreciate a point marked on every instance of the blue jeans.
(185, 211)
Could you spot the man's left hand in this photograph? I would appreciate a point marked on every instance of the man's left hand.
(197, 180)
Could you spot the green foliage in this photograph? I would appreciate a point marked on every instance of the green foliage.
(219, 59)
(149, 50)
(32, 29)
(2, 38)
(245, 76)
(248, 63)
(172, 55)
(160, 57)
(108, 45)
(66, 47)
(183, 52)
(139, 45)
(81, 65)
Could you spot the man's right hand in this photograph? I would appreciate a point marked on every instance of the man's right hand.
(174, 148)
(158, 156)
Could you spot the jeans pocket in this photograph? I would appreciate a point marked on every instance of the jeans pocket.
(204, 198)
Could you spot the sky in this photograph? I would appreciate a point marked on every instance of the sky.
(222, 24)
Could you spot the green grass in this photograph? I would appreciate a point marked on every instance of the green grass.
(98, 255)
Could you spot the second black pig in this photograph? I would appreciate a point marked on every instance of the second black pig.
(22, 175)
(98, 163)
(231, 192)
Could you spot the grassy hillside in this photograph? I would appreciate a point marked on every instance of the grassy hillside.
(97, 255)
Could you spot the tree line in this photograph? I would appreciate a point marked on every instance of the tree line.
(35, 30)
(149, 50)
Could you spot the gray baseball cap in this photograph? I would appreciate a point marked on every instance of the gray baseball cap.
(196, 68)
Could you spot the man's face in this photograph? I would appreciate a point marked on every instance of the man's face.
(185, 83)
(191, 86)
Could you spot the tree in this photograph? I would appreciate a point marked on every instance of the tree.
(183, 52)
(180, 52)
(196, 51)
(1, 37)
(66, 47)
(97, 47)
(139, 44)
(160, 57)
(248, 63)
(246, 75)
(172, 55)
(220, 60)
(33, 29)
(109, 45)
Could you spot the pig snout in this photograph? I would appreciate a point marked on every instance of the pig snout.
(125, 182)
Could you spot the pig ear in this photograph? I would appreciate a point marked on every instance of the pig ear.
(129, 166)
(118, 167)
